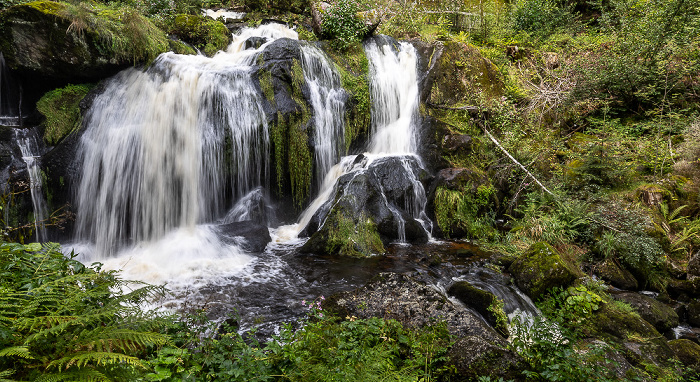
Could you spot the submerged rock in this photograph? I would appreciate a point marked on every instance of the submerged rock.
(251, 236)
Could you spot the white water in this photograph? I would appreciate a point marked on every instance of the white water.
(328, 101)
(394, 95)
(29, 146)
(160, 143)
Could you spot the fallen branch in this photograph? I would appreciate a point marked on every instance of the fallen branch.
(493, 139)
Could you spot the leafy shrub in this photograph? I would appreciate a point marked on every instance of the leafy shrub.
(540, 17)
(62, 112)
(341, 23)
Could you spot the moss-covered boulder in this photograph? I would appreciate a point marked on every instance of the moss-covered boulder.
(60, 108)
(618, 277)
(473, 357)
(662, 316)
(81, 41)
(641, 342)
(208, 35)
(541, 268)
(688, 352)
(464, 77)
(484, 302)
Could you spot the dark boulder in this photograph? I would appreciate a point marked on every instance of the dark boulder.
(382, 194)
(254, 42)
(618, 277)
(474, 357)
(249, 235)
(694, 265)
(688, 352)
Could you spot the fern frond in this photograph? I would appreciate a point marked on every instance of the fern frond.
(80, 375)
(126, 340)
(94, 358)
(16, 351)
(5, 374)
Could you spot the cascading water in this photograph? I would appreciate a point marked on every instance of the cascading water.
(31, 152)
(328, 101)
(394, 95)
(160, 144)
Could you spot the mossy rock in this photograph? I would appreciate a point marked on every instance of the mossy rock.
(300, 7)
(345, 235)
(662, 316)
(542, 268)
(61, 109)
(641, 342)
(484, 302)
(609, 271)
(76, 42)
(465, 77)
(208, 35)
(688, 352)
(473, 357)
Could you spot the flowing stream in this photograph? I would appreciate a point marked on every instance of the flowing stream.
(28, 143)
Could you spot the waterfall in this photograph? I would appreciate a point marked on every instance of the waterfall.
(395, 100)
(170, 146)
(31, 152)
(394, 94)
(9, 97)
(328, 102)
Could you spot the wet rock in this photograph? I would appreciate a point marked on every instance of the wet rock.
(609, 271)
(411, 302)
(249, 235)
(683, 290)
(376, 196)
(688, 353)
(474, 357)
(254, 42)
(541, 268)
(484, 302)
(662, 316)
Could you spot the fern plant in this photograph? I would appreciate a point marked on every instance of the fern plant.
(60, 320)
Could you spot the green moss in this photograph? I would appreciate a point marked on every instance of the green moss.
(299, 162)
(47, 7)
(353, 67)
(206, 34)
(542, 268)
(61, 109)
(351, 238)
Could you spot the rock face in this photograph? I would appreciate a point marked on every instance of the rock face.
(662, 316)
(540, 269)
(688, 353)
(479, 350)
(47, 45)
(484, 302)
(381, 195)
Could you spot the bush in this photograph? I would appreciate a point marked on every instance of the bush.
(341, 23)
(540, 17)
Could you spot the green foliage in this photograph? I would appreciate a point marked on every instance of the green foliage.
(556, 222)
(540, 17)
(207, 35)
(62, 111)
(341, 24)
(465, 211)
(61, 320)
(324, 348)
(550, 351)
(352, 236)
